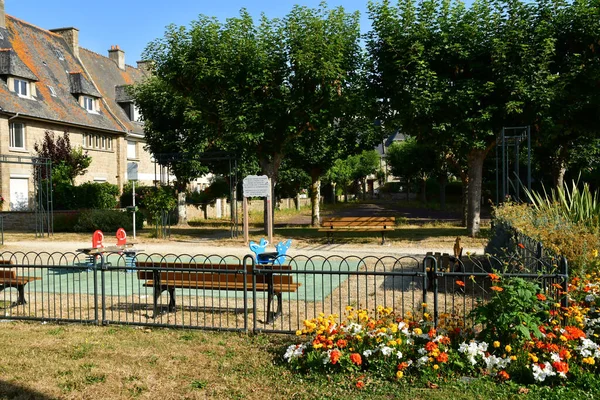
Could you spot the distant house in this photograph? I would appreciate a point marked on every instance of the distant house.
(49, 83)
(396, 137)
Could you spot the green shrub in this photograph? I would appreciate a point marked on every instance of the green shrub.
(85, 196)
(106, 220)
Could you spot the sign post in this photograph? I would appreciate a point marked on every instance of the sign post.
(257, 186)
(132, 175)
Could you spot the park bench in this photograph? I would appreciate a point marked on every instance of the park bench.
(9, 278)
(329, 225)
(218, 276)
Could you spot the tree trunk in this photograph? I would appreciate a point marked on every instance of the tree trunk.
(364, 188)
(297, 201)
(270, 167)
(475, 173)
(424, 190)
(205, 211)
(559, 166)
(315, 196)
(443, 180)
(333, 189)
(181, 208)
(464, 201)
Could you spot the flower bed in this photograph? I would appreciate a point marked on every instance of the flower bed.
(522, 335)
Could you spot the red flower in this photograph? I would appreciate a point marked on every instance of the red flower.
(360, 384)
(540, 297)
(521, 245)
(442, 358)
(497, 289)
(341, 343)
(460, 283)
(335, 356)
(432, 332)
(494, 277)
(356, 358)
(574, 333)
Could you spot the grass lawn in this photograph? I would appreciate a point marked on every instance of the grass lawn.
(79, 362)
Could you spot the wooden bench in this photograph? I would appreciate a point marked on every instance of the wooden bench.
(9, 278)
(215, 276)
(329, 225)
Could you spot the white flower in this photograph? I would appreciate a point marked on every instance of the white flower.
(589, 298)
(386, 351)
(422, 351)
(294, 351)
(540, 374)
(555, 357)
(367, 353)
(399, 355)
(421, 361)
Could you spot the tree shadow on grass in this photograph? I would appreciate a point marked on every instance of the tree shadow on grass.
(13, 391)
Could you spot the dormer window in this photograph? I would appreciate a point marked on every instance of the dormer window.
(89, 103)
(21, 87)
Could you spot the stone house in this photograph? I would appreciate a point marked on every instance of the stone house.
(49, 83)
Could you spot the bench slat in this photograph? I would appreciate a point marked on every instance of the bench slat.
(186, 284)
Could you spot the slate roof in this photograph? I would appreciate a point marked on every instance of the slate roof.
(11, 64)
(112, 82)
(51, 61)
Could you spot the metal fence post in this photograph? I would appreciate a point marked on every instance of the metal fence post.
(435, 291)
(253, 295)
(564, 270)
(95, 274)
(539, 253)
(245, 272)
(103, 287)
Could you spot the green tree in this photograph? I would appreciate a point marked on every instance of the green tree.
(247, 88)
(365, 164)
(453, 77)
(340, 173)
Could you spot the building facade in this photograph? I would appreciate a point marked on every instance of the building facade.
(49, 84)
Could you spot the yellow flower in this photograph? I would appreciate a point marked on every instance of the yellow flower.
(496, 344)
(595, 253)
(513, 358)
(562, 338)
(424, 305)
(508, 348)
(425, 315)
(399, 374)
(298, 332)
(533, 357)
(417, 331)
(589, 360)
(436, 367)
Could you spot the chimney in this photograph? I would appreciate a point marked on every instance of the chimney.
(71, 36)
(2, 15)
(117, 55)
(144, 66)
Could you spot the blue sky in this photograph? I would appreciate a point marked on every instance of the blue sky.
(132, 24)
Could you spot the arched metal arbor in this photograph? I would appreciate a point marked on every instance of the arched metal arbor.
(212, 157)
(508, 151)
(42, 190)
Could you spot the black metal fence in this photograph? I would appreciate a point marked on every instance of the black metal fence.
(233, 293)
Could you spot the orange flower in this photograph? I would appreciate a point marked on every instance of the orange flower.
(561, 366)
(341, 343)
(460, 283)
(430, 346)
(360, 384)
(503, 375)
(442, 358)
(574, 333)
(432, 332)
(356, 358)
(521, 245)
(335, 356)
(497, 289)
(402, 365)
(540, 297)
(494, 277)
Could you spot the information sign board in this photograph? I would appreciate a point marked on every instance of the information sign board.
(256, 186)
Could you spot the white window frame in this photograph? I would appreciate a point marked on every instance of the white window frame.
(109, 143)
(103, 142)
(20, 86)
(12, 140)
(132, 145)
(89, 104)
